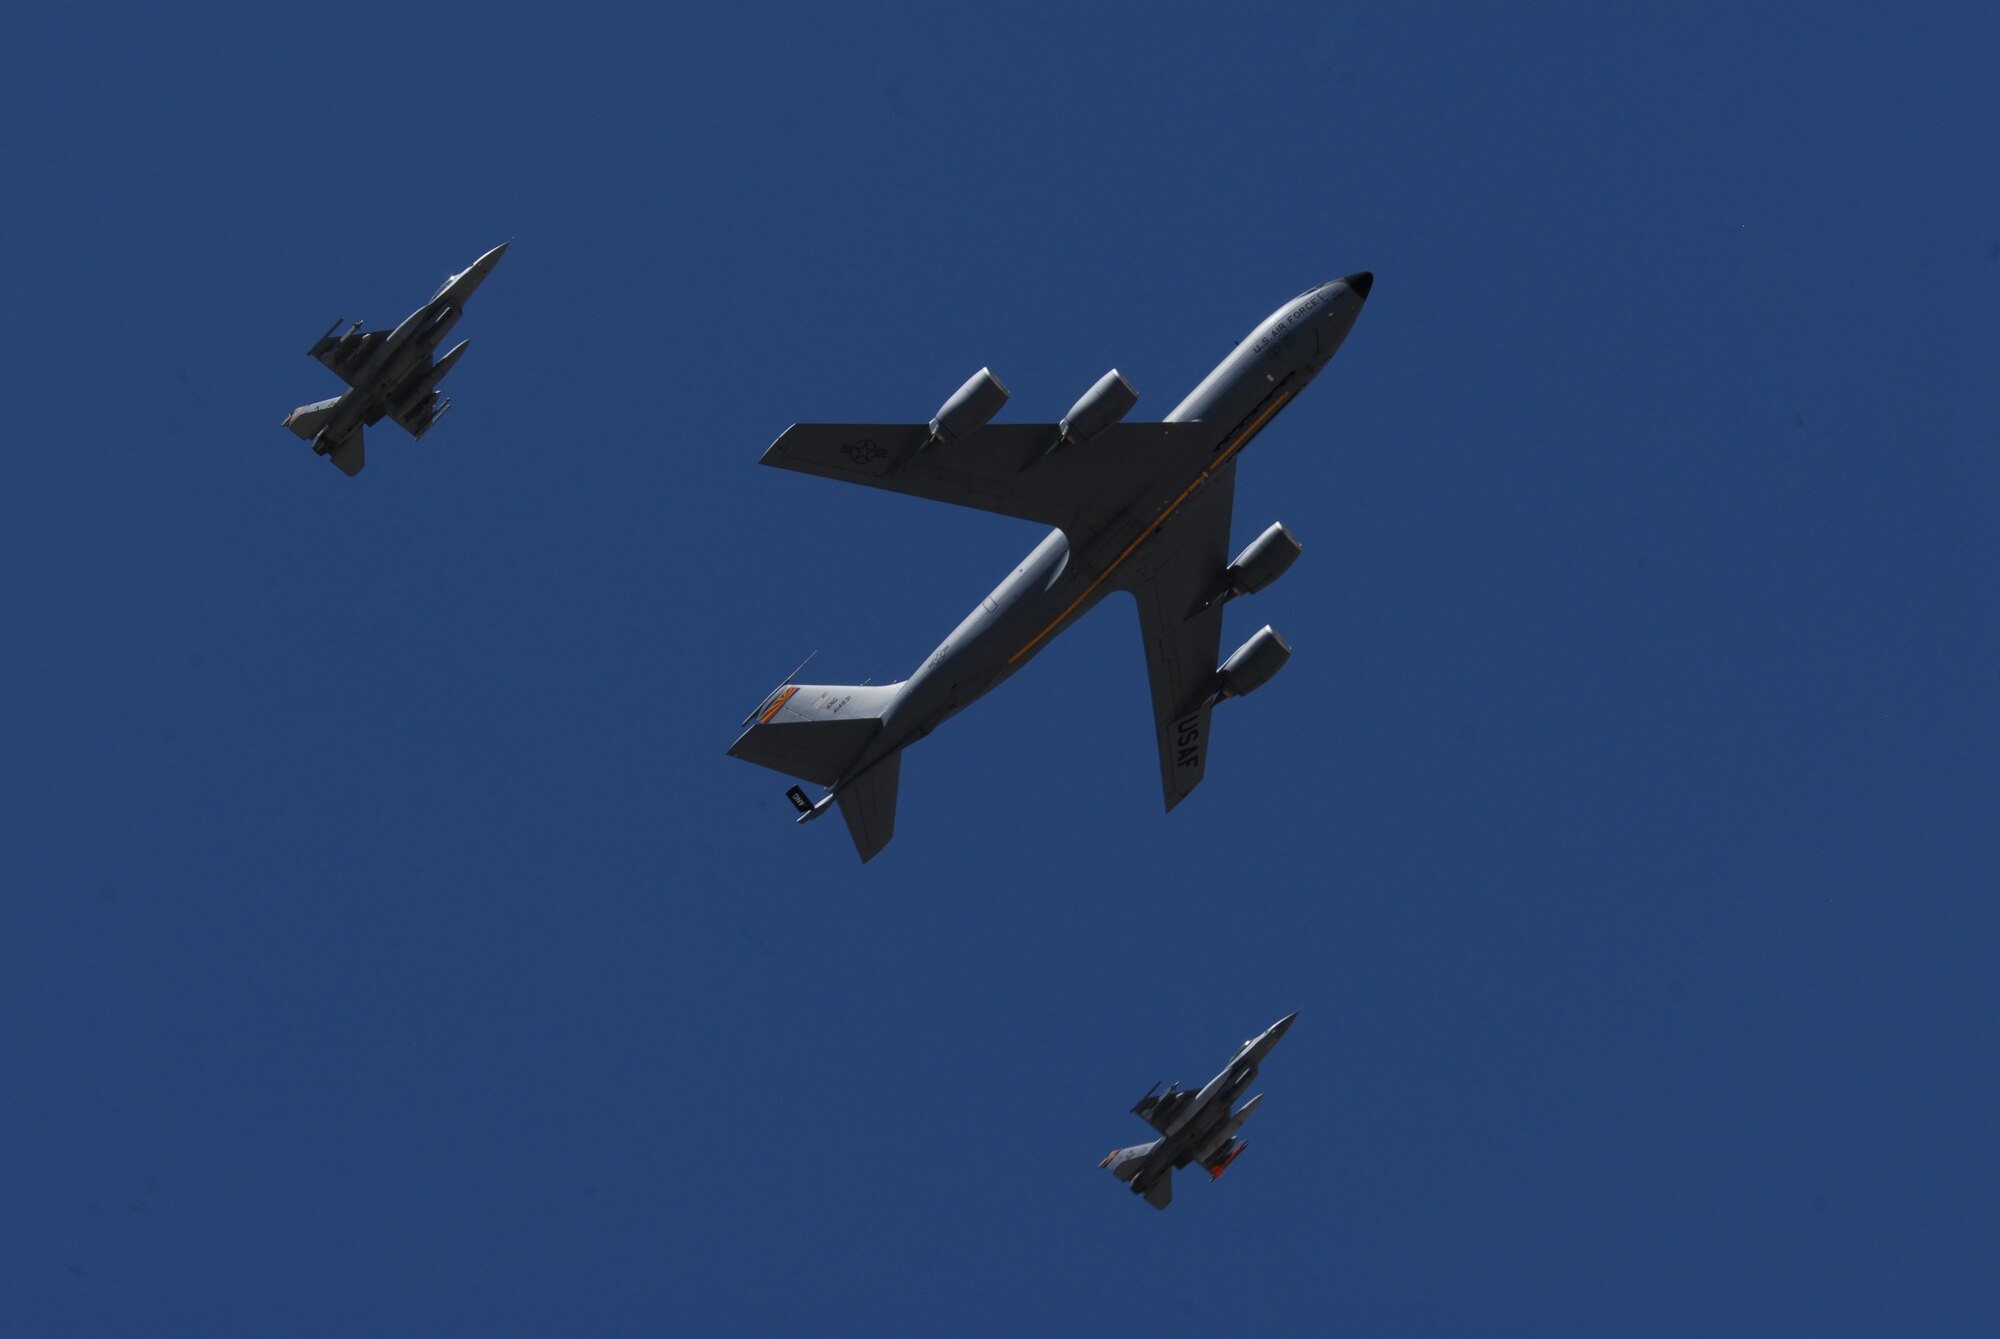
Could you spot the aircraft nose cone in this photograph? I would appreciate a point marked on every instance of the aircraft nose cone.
(1360, 282)
(1278, 1028)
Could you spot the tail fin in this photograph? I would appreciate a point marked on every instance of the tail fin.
(818, 732)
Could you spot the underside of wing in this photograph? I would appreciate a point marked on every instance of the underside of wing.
(1008, 468)
(345, 355)
(416, 416)
(1180, 621)
(1217, 1162)
(1159, 1111)
(415, 404)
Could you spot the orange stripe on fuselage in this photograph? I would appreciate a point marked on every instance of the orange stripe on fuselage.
(1242, 439)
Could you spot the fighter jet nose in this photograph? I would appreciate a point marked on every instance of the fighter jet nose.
(1278, 1028)
(1360, 283)
(492, 258)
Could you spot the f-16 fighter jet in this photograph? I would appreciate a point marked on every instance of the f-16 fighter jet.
(1138, 507)
(1194, 1127)
(388, 371)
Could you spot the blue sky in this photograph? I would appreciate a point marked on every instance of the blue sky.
(388, 946)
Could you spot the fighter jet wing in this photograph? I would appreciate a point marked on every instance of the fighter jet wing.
(415, 417)
(345, 355)
(1002, 467)
(1159, 1112)
(1171, 580)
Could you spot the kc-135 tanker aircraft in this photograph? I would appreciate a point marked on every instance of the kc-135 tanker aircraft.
(388, 372)
(1139, 507)
(1194, 1127)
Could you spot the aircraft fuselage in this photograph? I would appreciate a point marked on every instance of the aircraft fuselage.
(407, 349)
(1065, 576)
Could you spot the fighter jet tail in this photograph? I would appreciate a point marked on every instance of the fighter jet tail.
(344, 452)
(1126, 1162)
(308, 423)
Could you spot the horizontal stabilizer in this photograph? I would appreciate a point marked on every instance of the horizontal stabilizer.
(1126, 1162)
(814, 731)
(1161, 1193)
(306, 421)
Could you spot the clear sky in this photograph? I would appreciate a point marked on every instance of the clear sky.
(388, 947)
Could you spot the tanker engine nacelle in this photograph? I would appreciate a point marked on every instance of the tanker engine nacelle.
(969, 408)
(1263, 562)
(1252, 665)
(1102, 405)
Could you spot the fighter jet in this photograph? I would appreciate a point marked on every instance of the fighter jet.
(1138, 507)
(388, 371)
(1194, 1127)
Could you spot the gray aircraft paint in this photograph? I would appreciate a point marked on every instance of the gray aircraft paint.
(389, 373)
(1198, 1127)
(1142, 507)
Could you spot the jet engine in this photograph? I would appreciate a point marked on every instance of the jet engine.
(1252, 664)
(1263, 562)
(1102, 405)
(969, 408)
